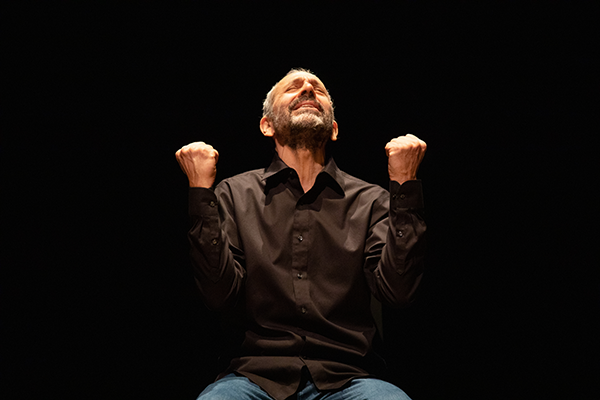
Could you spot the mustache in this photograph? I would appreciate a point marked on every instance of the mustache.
(305, 98)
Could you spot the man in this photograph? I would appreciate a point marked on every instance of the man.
(301, 246)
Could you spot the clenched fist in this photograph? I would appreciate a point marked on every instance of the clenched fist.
(198, 161)
(404, 156)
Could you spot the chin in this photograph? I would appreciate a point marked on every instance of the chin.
(307, 121)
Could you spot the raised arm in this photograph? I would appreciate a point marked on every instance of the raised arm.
(217, 264)
(395, 248)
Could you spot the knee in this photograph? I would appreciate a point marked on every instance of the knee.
(217, 393)
(231, 387)
(377, 389)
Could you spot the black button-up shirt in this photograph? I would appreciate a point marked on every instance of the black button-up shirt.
(304, 266)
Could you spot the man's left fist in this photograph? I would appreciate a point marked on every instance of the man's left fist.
(404, 156)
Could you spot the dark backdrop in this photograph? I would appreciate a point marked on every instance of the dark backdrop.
(99, 300)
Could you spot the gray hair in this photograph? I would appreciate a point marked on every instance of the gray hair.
(268, 103)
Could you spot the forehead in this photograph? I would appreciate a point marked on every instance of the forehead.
(300, 76)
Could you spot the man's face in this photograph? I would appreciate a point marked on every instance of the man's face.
(303, 114)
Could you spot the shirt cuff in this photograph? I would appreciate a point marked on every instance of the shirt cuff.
(202, 202)
(408, 195)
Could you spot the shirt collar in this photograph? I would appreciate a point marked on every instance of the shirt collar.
(330, 173)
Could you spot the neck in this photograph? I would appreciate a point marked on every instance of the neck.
(307, 163)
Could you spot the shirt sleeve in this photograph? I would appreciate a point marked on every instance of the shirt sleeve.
(396, 245)
(218, 267)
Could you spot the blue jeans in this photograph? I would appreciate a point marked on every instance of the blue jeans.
(233, 387)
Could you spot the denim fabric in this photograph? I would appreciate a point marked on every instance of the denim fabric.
(234, 387)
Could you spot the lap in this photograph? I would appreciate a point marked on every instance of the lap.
(369, 388)
(233, 387)
(239, 388)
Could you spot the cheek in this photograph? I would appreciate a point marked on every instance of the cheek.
(280, 104)
(324, 100)
(280, 109)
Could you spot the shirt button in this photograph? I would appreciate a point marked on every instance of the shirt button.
(303, 310)
(212, 203)
(215, 241)
(300, 238)
(402, 196)
(299, 275)
(400, 234)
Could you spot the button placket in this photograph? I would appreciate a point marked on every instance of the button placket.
(300, 260)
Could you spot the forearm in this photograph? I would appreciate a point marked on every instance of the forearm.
(400, 267)
(218, 275)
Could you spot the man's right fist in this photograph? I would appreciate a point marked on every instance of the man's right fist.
(198, 161)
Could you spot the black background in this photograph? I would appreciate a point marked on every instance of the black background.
(99, 300)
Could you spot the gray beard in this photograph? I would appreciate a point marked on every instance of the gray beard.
(304, 131)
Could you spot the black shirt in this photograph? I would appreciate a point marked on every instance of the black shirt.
(304, 266)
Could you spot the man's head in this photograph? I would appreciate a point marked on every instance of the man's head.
(298, 112)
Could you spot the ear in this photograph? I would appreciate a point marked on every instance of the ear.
(266, 127)
(334, 134)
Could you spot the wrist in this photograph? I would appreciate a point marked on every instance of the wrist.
(201, 184)
(402, 178)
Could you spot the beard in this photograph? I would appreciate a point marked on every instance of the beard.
(307, 129)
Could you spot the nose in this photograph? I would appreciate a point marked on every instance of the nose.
(308, 89)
